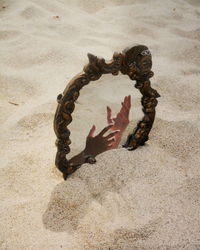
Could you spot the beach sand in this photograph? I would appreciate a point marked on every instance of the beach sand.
(143, 199)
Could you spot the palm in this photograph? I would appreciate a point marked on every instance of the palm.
(98, 144)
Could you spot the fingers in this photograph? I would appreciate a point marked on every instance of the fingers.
(109, 114)
(124, 103)
(126, 106)
(111, 142)
(123, 114)
(103, 131)
(111, 146)
(125, 100)
(112, 134)
(91, 133)
(129, 102)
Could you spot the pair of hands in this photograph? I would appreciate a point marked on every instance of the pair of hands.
(98, 144)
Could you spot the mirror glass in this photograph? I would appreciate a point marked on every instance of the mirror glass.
(91, 108)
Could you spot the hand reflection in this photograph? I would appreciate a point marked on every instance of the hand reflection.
(121, 121)
(98, 144)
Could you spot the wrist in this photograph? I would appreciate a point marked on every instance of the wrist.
(88, 158)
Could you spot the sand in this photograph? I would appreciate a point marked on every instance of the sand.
(145, 199)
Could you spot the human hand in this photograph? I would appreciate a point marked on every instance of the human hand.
(98, 144)
(121, 121)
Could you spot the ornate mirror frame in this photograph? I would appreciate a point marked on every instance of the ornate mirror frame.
(136, 62)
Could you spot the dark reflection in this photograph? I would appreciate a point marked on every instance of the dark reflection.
(97, 144)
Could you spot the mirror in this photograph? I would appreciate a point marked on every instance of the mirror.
(105, 133)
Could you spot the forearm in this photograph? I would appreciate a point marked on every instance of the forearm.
(78, 159)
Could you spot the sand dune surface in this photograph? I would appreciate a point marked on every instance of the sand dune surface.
(143, 199)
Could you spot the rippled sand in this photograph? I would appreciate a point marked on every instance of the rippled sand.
(145, 199)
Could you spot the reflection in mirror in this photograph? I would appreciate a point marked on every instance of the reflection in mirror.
(91, 109)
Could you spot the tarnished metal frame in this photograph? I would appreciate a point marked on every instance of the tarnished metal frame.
(121, 62)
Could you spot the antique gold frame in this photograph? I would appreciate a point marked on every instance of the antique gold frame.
(136, 63)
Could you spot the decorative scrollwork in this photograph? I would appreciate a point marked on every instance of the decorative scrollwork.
(136, 62)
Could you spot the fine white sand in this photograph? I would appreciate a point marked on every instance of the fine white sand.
(145, 199)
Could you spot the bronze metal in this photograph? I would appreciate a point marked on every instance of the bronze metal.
(136, 62)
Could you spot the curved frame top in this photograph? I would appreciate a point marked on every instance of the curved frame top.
(136, 62)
